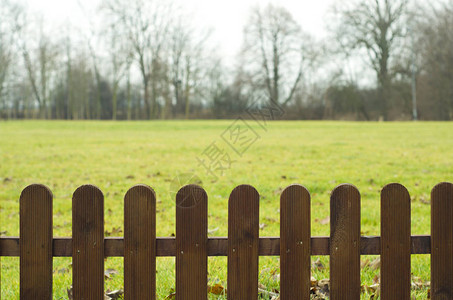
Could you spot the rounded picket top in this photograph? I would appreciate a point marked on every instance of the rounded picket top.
(244, 191)
(243, 243)
(190, 196)
(88, 242)
(344, 189)
(395, 191)
(140, 191)
(295, 231)
(36, 189)
(36, 242)
(442, 188)
(395, 242)
(139, 243)
(345, 241)
(295, 190)
(88, 190)
(441, 240)
(181, 180)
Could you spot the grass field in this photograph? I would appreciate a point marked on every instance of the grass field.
(320, 155)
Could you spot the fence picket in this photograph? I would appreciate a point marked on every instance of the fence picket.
(36, 242)
(295, 243)
(395, 242)
(442, 241)
(140, 243)
(345, 243)
(88, 243)
(243, 239)
(36, 246)
(191, 243)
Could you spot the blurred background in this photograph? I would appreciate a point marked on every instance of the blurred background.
(199, 59)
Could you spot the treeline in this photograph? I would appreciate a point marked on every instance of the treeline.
(139, 59)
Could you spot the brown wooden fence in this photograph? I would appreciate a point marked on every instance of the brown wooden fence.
(36, 245)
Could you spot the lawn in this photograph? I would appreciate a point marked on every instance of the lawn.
(319, 155)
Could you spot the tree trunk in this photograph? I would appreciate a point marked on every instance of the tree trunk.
(114, 100)
(129, 108)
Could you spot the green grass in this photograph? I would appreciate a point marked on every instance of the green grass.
(117, 155)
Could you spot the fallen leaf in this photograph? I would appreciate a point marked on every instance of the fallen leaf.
(271, 220)
(172, 295)
(278, 191)
(115, 231)
(216, 289)
(424, 201)
(211, 231)
(324, 221)
(313, 282)
(317, 264)
(70, 294)
(364, 263)
(375, 264)
(109, 273)
(117, 294)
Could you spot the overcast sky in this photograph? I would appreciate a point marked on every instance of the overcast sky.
(226, 17)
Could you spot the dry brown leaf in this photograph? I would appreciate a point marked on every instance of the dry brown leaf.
(70, 293)
(325, 221)
(375, 264)
(109, 273)
(172, 295)
(313, 282)
(216, 289)
(211, 231)
(364, 263)
(317, 264)
(116, 294)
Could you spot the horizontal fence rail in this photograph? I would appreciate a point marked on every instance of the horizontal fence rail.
(191, 246)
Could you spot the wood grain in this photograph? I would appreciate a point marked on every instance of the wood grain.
(217, 246)
(345, 243)
(191, 243)
(395, 242)
(88, 243)
(140, 243)
(36, 242)
(442, 241)
(295, 243)
(243, 242)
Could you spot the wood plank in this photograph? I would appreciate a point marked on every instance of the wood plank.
(191, 243)
(88, 243)
(395, 242)
(345, 243)
(442, 241)
(295, 243)
(140, 243)
(36, 242)
(217, 246)
(243, 242)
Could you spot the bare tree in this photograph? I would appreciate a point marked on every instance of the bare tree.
(120, 60)
(276, 51)
(187, 60)
(5, 50)
(435, 43)
(375, 26)
(146, 24)
(38, 55)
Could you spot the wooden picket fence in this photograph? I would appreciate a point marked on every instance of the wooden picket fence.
(88, 247)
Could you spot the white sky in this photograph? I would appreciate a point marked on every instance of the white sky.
(226, 17)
